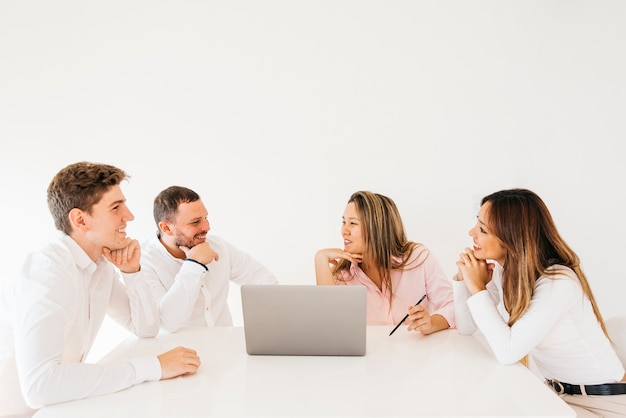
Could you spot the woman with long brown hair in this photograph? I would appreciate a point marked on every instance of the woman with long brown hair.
(522, 286)
(397, 272)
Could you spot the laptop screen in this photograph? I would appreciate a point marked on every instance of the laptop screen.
(306, 320)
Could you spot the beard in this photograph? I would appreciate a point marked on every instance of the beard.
(184, 241)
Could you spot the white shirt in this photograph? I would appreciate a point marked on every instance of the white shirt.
(559, 329)
(188, 294)
(49, 318)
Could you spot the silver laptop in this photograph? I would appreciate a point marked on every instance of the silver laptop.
(304, 320)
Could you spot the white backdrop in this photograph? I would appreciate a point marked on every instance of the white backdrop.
(276, 111)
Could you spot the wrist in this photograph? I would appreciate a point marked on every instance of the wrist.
(475, 290)
(131, 270)
(197, 262)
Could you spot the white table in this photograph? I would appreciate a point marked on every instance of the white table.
(407, 374)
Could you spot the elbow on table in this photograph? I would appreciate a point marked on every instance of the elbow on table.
(506, 358)
(464, 328)
(170, 326)
(147, 334)
(147, 331)
(36, 396)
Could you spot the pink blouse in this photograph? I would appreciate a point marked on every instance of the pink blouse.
(422, 275)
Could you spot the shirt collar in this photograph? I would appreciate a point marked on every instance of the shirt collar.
(79, 255)
(161, 248)
(354, 268)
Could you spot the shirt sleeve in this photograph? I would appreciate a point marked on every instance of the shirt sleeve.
(176, 303)
(49, 372)
(464, 322)
(247, 270)
(551, 299)
(133, 305)
(439, 290)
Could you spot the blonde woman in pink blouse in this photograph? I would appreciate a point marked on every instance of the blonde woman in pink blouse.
(397, 272)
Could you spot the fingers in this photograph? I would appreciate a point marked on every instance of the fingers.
(467, 257)
(357, 258)
(334, 255)
(202, 253)
(178, 362)
(476, 273)
(351, 257)
(468, 260)
(459, 273)
(126, 258)
(490, 268)
(417, 309)
(419, 319)
(116, 257)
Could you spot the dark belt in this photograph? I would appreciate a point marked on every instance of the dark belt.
(604, 389)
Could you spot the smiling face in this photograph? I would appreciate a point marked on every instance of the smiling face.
(105, 225)
(351, 230)
(486, 245)
(191, 225)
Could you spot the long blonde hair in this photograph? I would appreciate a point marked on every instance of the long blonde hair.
(525, 228)
(385, 240)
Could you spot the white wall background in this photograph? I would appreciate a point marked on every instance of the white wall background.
(276, 111)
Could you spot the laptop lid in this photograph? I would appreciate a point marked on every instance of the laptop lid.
(304, 320)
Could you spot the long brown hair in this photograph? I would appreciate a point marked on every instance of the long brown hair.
(385, 240)
(525, 228)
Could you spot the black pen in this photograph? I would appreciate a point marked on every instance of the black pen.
(406, 316)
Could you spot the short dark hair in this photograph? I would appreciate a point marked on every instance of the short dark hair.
(166, 203)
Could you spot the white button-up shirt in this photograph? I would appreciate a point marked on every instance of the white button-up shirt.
(49, 318)
(187, 293)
